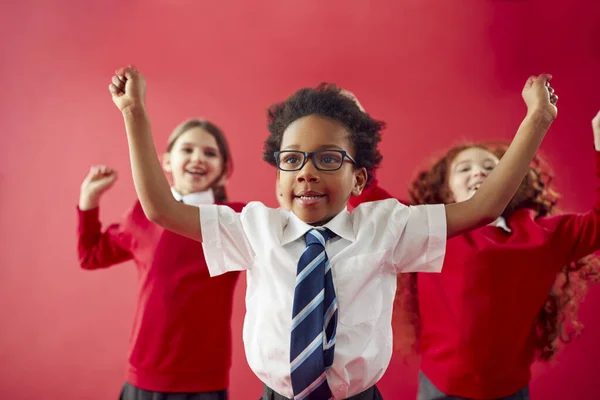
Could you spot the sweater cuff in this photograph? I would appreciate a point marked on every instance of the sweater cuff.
(89, 220)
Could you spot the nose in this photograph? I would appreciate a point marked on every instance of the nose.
(308, 173)
(479, 171)
(198, 155)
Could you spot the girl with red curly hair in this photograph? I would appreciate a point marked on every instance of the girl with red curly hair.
(508, 292)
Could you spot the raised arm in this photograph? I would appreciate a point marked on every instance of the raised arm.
(128, 89)
(499, 188)
(97, 249)
(578, 235)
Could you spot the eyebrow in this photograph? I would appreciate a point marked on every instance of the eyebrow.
(195, 145)
(462, 162)
(322, 147)
(470, 161)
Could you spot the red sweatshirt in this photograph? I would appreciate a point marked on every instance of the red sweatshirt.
(477, 315)
(181, 337)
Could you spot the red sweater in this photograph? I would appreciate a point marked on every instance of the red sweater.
(181, 337)
(477, 314)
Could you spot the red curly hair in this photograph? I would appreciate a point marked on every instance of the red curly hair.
(557, 322)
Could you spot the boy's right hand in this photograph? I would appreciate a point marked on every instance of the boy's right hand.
(128, 89)
(98, 180)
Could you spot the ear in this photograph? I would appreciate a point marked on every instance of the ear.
(166, 163)
(360, 181)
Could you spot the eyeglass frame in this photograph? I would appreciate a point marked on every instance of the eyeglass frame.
(310, 154)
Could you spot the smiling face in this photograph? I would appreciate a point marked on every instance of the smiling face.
(194, 161)
(312, 195)
(468, 170)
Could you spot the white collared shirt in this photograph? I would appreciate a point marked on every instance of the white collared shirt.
(195, 199)
(500, 222)
(376, 242)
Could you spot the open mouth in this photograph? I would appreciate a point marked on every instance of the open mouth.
(196, 173)
(309, 198)
(475, 187)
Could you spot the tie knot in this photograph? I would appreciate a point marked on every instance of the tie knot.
(318, 236)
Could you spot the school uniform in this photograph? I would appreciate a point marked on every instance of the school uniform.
(477, 317)
(172, 350)
(369, 247)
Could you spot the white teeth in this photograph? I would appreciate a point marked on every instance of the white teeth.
(309, 197)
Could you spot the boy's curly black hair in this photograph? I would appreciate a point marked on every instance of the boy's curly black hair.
(327, 100)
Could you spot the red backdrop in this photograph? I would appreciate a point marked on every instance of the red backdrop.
(435, 71)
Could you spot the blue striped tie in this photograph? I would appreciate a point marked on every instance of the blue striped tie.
(314, 320)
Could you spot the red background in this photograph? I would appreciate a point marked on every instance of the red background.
(436, 71)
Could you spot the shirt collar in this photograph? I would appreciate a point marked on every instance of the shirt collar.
(195, 199)
(501, 223)
(341, 225)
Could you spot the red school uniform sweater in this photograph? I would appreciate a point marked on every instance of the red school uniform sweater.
(181, 336)
(478, 314)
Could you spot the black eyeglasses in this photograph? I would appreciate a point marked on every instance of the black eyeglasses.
(323, 160)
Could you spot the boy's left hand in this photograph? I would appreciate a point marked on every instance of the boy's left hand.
(539, 96)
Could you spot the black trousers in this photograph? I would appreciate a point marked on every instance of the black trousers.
(131, 392)
(370, 394)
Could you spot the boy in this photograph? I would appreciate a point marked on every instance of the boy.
(321, 281)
